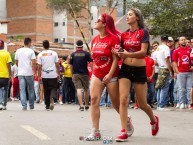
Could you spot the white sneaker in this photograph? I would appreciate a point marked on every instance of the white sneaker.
(164, 109)
(186, 106)
(178, 105)
(130, 127)
(182, 106)
(61, 103)
(95, 135)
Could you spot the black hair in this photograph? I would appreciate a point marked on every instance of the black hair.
(164, 38)
(65, 57)
(27, 41)
(46, 44)
(1, 44)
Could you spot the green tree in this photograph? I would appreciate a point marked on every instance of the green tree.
(13, 57)
(172, 17)
(65, 5)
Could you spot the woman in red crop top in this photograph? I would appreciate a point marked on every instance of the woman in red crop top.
(135, 43)
(105, 69)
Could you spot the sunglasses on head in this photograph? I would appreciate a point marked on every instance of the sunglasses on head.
(99, 20)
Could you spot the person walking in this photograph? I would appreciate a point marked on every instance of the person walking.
(78, 65)
(135, 43)
(26, 61)
(48, 73)
(5, 75)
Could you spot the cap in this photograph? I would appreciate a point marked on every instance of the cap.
(79, 44)
(1, 43)
(164, 37)
(170, 39)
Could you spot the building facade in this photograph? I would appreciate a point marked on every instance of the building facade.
(30, 18)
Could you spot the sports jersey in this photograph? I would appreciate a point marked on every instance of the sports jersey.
(131, 41)
(149, 67)
(5, 58)
(182, 57)
(48, 60)
(79, 60)
(102, 55)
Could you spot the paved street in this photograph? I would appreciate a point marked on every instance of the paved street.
(66, 123)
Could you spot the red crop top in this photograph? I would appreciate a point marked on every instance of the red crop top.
(131, 41)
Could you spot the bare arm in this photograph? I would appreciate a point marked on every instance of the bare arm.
(9, 69)
(34, 66)
(175, 67)
(141, 53)
(168, 65)
(91, 66)
(39, 70)
(16, 62)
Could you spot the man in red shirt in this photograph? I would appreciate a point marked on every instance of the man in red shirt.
(182, 62)
(150, 71)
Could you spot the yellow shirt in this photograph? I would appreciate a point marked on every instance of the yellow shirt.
(67, 71)
(4, 59)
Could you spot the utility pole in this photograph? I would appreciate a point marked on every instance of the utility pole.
(124, 7)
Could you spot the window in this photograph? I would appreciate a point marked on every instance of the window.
(56, 24)
(63, 24)
(62, 40)
(55, 40)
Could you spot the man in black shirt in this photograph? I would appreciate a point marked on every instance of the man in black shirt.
(79, 61)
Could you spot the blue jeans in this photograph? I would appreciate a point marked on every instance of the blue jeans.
(150, 92)
(105, 98)
(4, 84)
(171, 90)
(29, 82)
(175, 91)
(162, 93)
(185, 85)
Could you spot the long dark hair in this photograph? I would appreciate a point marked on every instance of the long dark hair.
(139, 16)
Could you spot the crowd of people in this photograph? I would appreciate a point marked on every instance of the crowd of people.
(121, 68)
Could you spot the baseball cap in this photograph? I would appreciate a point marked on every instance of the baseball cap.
(164, 37)
(170, 39)
(79, 44)
(1, 43)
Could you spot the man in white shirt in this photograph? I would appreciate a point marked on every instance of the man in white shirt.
(164, 73)
(25, 60)
(48, 72)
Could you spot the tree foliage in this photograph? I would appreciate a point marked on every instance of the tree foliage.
(172, 17)
(65, 5)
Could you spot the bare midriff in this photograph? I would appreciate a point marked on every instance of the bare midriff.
(134, 61)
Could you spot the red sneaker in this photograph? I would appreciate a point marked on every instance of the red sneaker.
(136, 106)
(155, 126)
(191, 107)
(122, 137)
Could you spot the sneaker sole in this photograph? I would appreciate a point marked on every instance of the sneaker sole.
(120, 140)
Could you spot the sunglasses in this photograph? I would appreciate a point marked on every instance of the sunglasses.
(155, 45)
(99, 20)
